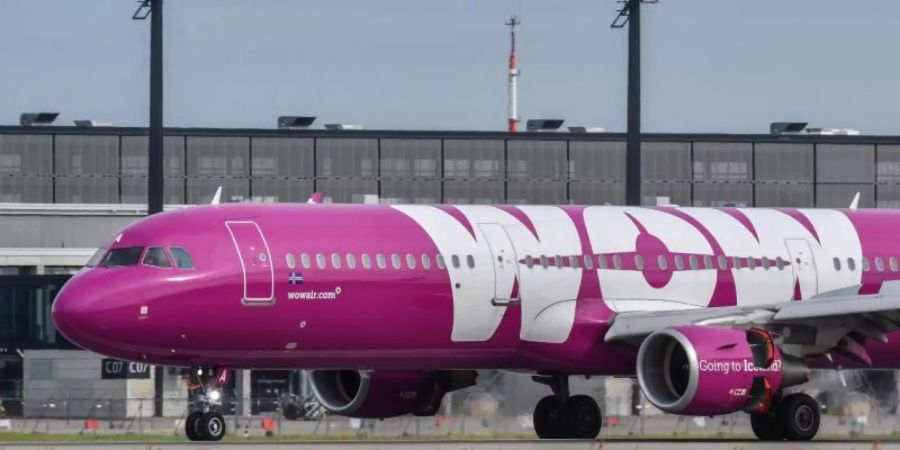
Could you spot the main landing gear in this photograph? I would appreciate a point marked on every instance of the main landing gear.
(560, 416)
(793, 418)
(204, 422)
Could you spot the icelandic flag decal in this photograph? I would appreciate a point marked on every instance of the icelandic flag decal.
(295, 278)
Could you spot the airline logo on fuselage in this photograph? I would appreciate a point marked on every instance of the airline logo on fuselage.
(692, 241)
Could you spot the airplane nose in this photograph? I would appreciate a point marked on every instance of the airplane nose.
(70, 312)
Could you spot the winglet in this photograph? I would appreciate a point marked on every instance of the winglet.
(315, 199)
(217, 196)
(855, 201)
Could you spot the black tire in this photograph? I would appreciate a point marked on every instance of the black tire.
(190, 426)
(766, 427)
(548, 418)
(582, 418)
(212, 426)
(292, 412)
(798, 417)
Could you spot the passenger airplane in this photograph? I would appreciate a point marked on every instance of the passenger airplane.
(714, 310)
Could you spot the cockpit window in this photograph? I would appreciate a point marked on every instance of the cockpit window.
(182, 258)
(98, 256)
(125, 256)
(156, 257)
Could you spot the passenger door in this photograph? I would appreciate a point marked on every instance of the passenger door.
(504, 262)
(256, 261)
(806, 280)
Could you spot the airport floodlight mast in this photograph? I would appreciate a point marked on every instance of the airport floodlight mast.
(512, 107)
(630, 14)
(153, 10)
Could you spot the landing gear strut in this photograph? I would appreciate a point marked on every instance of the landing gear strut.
(205, 422)
(793, 418)
(560, 416)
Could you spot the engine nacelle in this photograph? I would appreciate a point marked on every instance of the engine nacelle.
(378, 394)
(702, 370)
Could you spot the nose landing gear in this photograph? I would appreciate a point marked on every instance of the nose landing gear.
(560, 416)
(793, 418)
(205, 422)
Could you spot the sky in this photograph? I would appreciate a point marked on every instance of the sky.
(729, 66)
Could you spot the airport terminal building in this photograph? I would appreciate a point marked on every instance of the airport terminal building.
(63, 190)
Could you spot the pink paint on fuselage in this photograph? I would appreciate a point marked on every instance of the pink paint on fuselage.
(369, 317)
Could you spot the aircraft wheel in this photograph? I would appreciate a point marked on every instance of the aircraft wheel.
(190, 426)
(582, 417)
(548, 423)
(798, 416)
(212, 426)
(766, 427)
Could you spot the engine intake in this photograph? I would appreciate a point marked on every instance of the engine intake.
(378, 394)
(701, 370)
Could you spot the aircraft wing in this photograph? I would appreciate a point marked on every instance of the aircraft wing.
(837, 321)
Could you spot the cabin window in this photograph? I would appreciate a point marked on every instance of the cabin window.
(125, 256)
(381, 261)
(304, 260)
(395, 261)
(182, 258)
(529, 261)
(588, 262)
(639, 262)
(601, 261)
(723, 262)
(837, 264)
(879, 264)
(336, 260)
(851, 264)
(679, 262)
(662, 262)
(895, 266)
(410, 261)
(865, 264)
(736, 262)
(557, 261)
(544, 262)
(320, 260)
(708, 262)
(779, 263)
(455, 261)
(751, 262)
(765, 262)
(470, 260)
(692, 262)
(290, 261)
(156, 257)
(351, 261)
(426, 261)
(573, 262)
(440, 261)
(98, 256)
(617, 262)
(366, 261)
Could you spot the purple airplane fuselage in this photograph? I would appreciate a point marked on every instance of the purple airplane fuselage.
(530, 288)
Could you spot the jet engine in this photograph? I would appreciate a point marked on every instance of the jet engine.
(378, 394)
(702, 370)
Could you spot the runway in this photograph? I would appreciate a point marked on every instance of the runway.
(643, 444)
